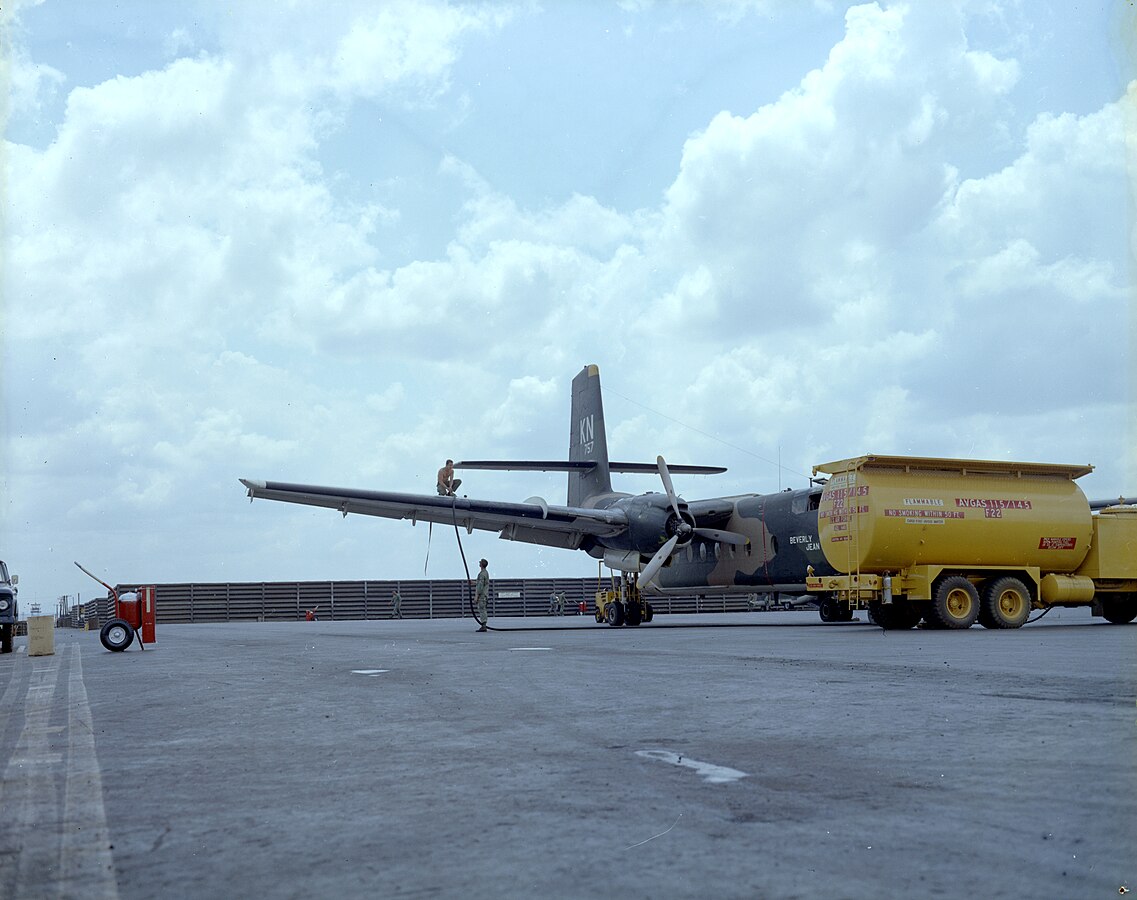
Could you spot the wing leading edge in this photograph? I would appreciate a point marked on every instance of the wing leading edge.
(557, 526)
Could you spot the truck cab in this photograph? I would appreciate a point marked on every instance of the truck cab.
(9, 608)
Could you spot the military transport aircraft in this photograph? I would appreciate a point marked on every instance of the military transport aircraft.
(749, 543)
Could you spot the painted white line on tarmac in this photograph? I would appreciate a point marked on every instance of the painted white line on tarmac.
(87, 862)
(70, 855)
(371, 672)
(709, 771)
(511, 649)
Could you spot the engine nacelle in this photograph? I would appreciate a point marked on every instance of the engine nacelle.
(652, 522)
(624, 560)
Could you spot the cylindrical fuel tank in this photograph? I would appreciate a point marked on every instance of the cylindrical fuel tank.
(886, 513)
(1066, 588)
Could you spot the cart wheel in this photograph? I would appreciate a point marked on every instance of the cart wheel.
(116, 635)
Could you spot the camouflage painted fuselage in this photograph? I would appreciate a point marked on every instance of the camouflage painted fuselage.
(784, 541)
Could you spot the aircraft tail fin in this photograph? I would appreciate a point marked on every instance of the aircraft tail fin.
(587, 440)
(589, 469)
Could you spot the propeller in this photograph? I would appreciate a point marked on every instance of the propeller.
(683, 530)
(661, 464)
(662, 555)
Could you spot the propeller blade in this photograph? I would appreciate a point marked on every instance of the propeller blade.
(667, 485)
(723, 537)
(662, 555)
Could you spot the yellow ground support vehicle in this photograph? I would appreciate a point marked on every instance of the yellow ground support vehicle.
(954, 541)
(622, 604)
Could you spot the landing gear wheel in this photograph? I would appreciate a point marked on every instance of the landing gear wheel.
(649, 613)
(1121, 609)
(614, 613)
(633, 613)
(116, 635)
(930, 621)
(910, 614)
(955, 603)
(829, 610)
(1006, 604)
(894, 616)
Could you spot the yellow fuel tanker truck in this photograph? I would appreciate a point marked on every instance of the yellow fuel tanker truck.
(955, 541)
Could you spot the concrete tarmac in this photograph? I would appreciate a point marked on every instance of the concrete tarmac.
(748, 755)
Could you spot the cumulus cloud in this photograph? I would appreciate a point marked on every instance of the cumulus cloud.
(195, 293)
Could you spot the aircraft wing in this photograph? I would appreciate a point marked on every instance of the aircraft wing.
(533, 521)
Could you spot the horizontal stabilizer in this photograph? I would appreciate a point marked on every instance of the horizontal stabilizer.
(526, 465)
(1120, 501)
(651, 468)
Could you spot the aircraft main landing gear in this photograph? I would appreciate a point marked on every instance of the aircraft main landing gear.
(831, 610)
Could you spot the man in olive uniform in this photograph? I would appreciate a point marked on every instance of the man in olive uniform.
(396, 604)
(482, 594)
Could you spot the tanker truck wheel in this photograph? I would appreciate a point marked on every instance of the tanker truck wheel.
(1120, 610)
(955, 602)
(1006, 604)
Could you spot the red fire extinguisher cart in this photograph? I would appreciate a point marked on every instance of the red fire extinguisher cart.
(133, 616)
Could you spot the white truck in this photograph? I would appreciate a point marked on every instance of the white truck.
(9, 608)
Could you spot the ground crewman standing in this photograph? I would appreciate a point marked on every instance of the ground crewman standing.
(482, 594)
(396, 604)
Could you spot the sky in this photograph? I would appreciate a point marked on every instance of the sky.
(336, 243)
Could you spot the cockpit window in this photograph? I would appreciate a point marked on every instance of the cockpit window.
(805, 502)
